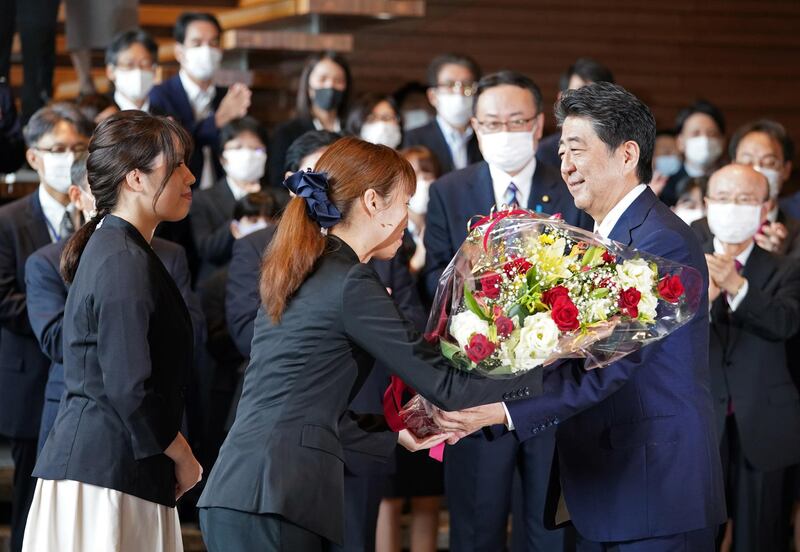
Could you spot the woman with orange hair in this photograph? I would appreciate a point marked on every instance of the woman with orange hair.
(326, 317)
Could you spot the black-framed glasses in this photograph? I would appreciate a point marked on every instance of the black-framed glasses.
(465, 88)
(515, 125)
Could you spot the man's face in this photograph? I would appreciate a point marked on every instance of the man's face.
(452, 79)
(507, 108)
(64, 137)
(198, 33)
(665, 145)
(590, 170)
(135, 56)
(761, 151)
(698, 124)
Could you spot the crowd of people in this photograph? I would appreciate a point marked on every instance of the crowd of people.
(210, 184)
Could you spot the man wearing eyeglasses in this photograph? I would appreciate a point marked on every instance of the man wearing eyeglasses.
(54, 136)
(479, 473)
(765, 146)
(451, 81)
(131, 66)
(755, 309)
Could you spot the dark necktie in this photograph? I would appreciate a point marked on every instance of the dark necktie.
(510, 198)
(67, 227)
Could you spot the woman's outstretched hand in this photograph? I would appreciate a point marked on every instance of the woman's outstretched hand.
(413, 443)
(188, 470)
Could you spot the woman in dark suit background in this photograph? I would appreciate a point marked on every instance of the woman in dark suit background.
(278, 480)
(115, 463)
(322, 101)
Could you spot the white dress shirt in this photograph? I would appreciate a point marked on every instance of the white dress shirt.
(456, 142)
(736, 300)
(53, 212)
(337, 127)
(523, 180)
(607, 225)
(124, 103)
(237, 192)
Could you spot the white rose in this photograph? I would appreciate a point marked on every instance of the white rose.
(596, 310)
(537, 340)
(647, 306)
(465, 324)
(636, 273)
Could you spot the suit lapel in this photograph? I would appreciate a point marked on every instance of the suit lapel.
(481, 191)
(184, 106)
(633, 217)
(442, 149)
(37, 226)
(758, 271)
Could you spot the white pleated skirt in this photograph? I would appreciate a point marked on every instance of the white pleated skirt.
(68, 516)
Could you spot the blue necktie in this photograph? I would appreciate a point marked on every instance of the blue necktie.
(510, 198)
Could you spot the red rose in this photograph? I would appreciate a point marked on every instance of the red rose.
(608, 258)
(504, 326)
(629, 301)
(549, 297)
(670, 288)
(490, 284)
(520, 265)
(565, 314)
(479, 348)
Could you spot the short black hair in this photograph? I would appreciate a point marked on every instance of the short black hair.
(666, 132)
(773, 129)
(451, 59)
(77, 172)
(124, 40)
(361, 110)
(303, 104)
(46, 119)
(588, 70)
(408, 89)
(187, 18)
(700, 106)
(512, 78)
(256, 204)
(617, 116)
(237, 126)
(305, 145)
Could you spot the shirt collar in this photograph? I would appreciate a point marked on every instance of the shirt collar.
(453, 134)
(613, 216)
(337, 127)
(523, 180)
(237, 192)
(742, 257)
(124, 103)
(199, 98)
(53, 212)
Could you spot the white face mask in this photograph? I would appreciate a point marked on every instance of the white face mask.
(245, 164)
(668, 164)
(703, 151)
(774, 179)
(246, 227)
(419, 201)
(134, 84)
(382, 132)
(415, 118)
(57, 168)
(201, 61)
(508, 151)
(454, 108)
(689, 215)
(732, 223)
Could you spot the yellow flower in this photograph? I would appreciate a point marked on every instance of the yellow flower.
(546, 239)
(551, 263)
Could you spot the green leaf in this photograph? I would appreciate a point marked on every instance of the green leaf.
(472, 304)
(530, 279)
(519, 311)
(449, 350)
(599, 293)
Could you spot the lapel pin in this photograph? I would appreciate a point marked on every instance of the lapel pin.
(546, 198)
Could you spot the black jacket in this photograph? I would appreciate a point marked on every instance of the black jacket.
(211, 215)
(23, 367)
(430, 135)
(284, 454)
(282, 138)
(127, 356)
(747, 358)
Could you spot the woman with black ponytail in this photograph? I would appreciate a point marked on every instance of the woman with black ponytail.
(115, 461)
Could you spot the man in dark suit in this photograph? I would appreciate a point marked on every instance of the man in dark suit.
(755, 309)
(637, 464)
(479, 473)
(191, 97)
(765, 146)
(53, 135)
(584, 71)
(451, 82)
(47, 294)
(131, 63)
(244, 160)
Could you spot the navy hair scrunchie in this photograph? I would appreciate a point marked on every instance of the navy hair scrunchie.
(313, 187)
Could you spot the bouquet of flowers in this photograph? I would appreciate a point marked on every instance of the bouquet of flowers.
(523, 291)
